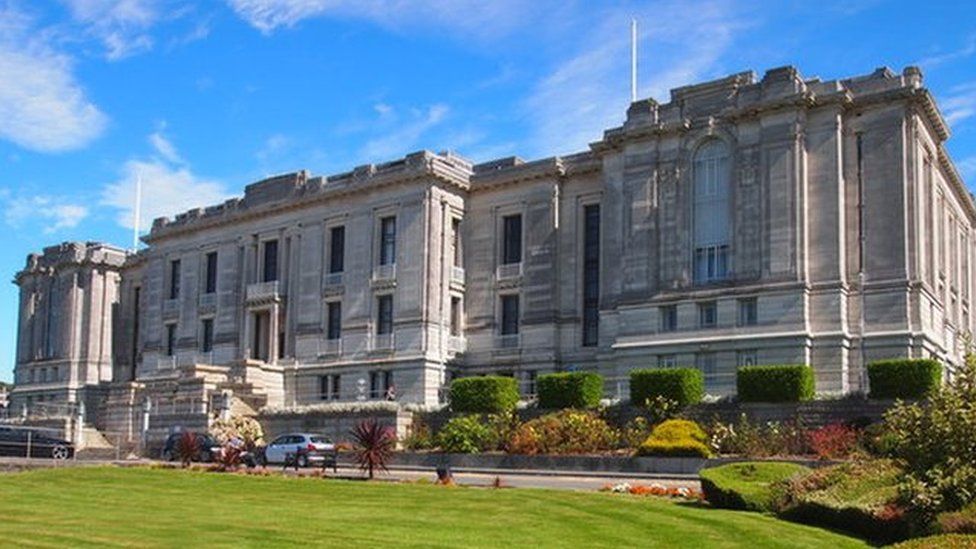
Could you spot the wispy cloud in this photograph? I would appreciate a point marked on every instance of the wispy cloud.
(960, 104)
(120, 25)
(967, 50)
(168, 187)
(54, 214)
(405, 136)
(42, 106)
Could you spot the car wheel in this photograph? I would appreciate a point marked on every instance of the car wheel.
(60, 452)
(303, 461)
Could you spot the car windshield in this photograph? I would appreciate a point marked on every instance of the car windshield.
(319, 439)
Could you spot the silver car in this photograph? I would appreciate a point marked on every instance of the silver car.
(306, 448)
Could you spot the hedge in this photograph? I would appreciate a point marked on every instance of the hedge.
(782, 383)
(676, 438)
(570, 390)
(746, 486)
(484, 394)
(904, 378)
(682, 385)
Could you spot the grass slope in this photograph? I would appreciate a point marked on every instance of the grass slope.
(746, 485)
(155, 507)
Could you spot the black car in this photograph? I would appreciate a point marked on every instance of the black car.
(16, 441)
(207, 447)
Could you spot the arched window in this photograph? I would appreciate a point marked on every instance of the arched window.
(712, 226)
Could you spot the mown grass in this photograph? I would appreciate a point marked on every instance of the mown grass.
(747, 485)
(105, 506)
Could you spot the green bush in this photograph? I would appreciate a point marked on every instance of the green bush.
(676, 438)
(484, 395)
(467, 434)
(786, 383)
(746, 486)
(570, 390)
(861, 497)
(682, 385)
(904, 378)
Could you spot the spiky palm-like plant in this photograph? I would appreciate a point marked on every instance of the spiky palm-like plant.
(373, 445)
(187, 447)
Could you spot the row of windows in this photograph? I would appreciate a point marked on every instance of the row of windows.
(708, 361)
(39, 375)
(708, 314)
(381, 385)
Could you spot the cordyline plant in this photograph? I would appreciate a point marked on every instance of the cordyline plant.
(187, 448)
(373, 445)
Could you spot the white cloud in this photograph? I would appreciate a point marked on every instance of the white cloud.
(967, 50)
(121, 25)
(960, 104)
(396, 141)
(164, 147)
(42, 106)
(54, 213)
(589, 92)
(168, 187)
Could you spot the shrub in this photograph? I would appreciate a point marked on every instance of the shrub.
(187, 448)
(373, 445)
(945, 541)
(676, 438)
(563, 432)
(904, 378)
(958, 522)
(683, 386)
(570, 390)
(755, 440)
(787, 383)
(466, 434)
(834, 441)
(484, 394)
(244, 429)
(746, 486)
(859, 496)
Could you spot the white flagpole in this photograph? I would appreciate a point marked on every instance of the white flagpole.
(633, 60)
(135, 223)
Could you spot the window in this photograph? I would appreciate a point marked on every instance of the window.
(511, 239)
(706, 362)
(711, 212)
(746, 358)
(174, 279)
(210, 277)
(207, 340)
(337, 249)
(748, 312)
(669, 318)
(707, 314)
(329, 387)
(170, 339)
(456, 241)
(384, 314)
(510, 314)
(388, 241)
(455, 315)
(336, 389)
(334, 328)
(667, 361)
(270, 261)
(387, 381)
(591, 275)
(374, 385)
(530, 380)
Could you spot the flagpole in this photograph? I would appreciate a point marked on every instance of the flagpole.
(135, 223)
(633, 60)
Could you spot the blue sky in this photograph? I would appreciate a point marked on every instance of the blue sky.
(202, 97)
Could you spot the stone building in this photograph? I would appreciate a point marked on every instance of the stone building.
(745, 221)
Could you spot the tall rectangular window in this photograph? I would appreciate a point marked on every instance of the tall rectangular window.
(384, 314)
(455, 315)
(337, 249)
(174, 279)
(270, 261)
(388, 241)
(456, 241)
(748, 312)
(591, 275)
(336, 390)
(170, 339)
(334, 328)
(707, 314)
(746, 358)
(510, 314)
(374, 384)
(210, 286)
(324, 386)
(206, 345)
(669, 318)
(511, 239)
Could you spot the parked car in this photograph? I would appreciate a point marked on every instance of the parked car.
(15, 442)
(207, 447)
(306, 448)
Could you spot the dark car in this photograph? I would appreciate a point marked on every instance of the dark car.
(207, 447)
(17, 441)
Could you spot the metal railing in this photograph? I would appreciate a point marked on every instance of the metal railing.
(457, 274)
(510, 270)
(383, 342)
(330, 347)
(333, 279)
(263, 290)
(207, 301)
(171, 307)
(384, 272)
(508, 341)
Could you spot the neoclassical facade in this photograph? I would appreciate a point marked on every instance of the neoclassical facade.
(746, 221)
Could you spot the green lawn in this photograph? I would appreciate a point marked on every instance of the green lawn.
(156, 507)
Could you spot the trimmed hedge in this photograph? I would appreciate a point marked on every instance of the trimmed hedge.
(682, 385)
(746, 486)
(570, 390)
(904, 378)
(484, 394)
(676, 438)
(781, 383)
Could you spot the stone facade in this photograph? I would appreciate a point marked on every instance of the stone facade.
(746, 221)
